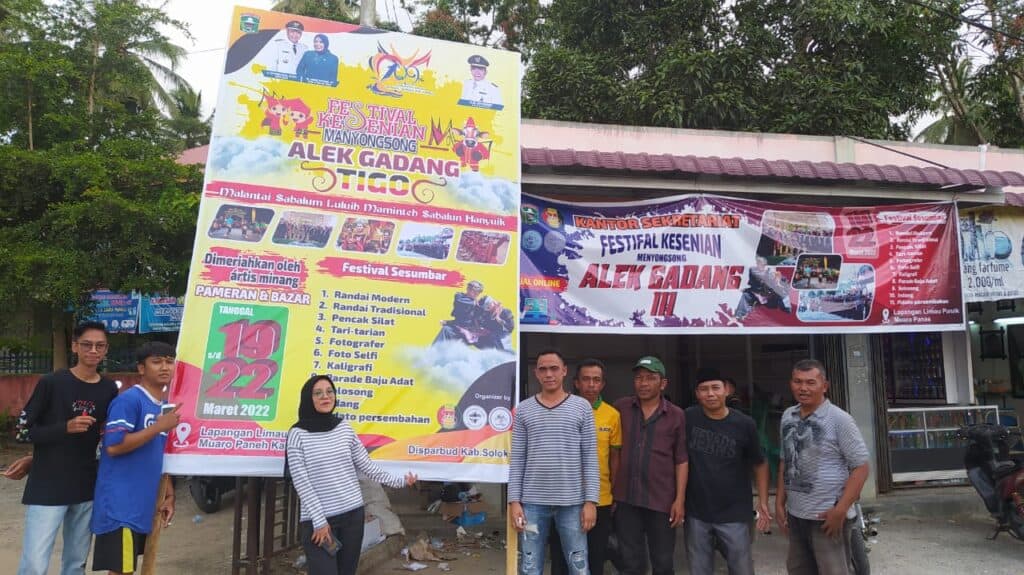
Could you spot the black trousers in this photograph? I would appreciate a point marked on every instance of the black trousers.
(348, 528)
(635, 524)
(597, 545)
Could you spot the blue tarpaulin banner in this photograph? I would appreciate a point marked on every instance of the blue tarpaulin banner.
(160, 314)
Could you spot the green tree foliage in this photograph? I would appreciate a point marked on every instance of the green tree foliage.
(90, 193)
(337, 10)
(963, 117)
(506, 24)
(813, 67)
(981, 88)
(186, 118)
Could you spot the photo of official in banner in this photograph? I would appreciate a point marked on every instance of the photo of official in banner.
(357, 222)
(704, 263)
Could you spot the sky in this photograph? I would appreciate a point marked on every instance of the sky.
(209, 22)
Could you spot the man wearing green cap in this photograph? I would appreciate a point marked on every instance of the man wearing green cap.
(650, 486)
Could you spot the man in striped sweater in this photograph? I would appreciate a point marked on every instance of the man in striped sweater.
(554, 444)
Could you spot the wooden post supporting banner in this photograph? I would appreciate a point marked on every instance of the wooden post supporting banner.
(511, 545)
(153, 539)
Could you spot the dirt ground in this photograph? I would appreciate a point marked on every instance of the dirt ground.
(906, 546)
(186, 547)
(197, 543)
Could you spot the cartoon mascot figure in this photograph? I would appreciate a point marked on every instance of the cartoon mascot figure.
(470, 149)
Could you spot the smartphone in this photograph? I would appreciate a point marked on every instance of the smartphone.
(167, 408)
(332, 545)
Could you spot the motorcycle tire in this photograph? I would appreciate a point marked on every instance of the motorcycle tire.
(1016, 525)
(206, 495)
(859, 552)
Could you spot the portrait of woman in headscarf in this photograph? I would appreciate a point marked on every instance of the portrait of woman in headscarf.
(319, 65)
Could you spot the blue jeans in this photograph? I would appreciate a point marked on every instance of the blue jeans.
(534, 539)
(41, 525)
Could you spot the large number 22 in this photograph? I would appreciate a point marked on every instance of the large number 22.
(257, 341)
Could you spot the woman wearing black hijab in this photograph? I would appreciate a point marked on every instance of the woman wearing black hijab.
(323, 455)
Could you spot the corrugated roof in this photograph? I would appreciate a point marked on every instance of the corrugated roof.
(756, 168)
(812, 172)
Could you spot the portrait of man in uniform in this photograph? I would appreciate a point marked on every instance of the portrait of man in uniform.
(477, 90)
(283, 53)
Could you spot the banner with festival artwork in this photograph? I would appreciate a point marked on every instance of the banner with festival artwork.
(992, 251)
(711, 264)
(359, 219)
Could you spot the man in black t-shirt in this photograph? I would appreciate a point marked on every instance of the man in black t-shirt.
(63, 420)
(725, 455)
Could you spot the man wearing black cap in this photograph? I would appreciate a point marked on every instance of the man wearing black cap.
(723, 449)
(650, 486)
(477, 90)
(287, 51)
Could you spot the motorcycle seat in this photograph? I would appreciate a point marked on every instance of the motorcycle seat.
(1001, 469)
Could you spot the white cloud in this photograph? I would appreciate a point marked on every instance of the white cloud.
(493, 195)
(452, 364)
(235, 156)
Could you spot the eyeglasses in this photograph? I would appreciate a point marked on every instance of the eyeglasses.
(91, 345)
(321, 393)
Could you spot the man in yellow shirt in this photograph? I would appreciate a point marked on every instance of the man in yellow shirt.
(589, 383)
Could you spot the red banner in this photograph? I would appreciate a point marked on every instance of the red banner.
(701, 263)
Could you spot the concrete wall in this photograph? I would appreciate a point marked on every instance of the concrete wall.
(15, 390)
(862, 401)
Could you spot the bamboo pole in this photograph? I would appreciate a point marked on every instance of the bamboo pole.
(153, 539)
(511, 545)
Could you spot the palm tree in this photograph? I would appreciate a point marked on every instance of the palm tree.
(962, 117)
(186, 118)
(129, 59)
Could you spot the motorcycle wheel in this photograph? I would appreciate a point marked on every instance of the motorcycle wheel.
(206, 494)
(859, 552)
(1016, 525)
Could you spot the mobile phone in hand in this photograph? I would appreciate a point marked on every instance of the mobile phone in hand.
(167, 408)
(331, 545)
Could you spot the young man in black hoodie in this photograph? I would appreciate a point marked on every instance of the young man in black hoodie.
(62, 420)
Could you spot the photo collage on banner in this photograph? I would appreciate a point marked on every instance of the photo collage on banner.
(707, 264)
(359, 218)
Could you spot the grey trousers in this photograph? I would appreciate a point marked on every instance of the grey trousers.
(734, 539)
(811, 552)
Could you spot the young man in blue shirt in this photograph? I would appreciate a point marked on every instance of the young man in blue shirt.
(131, 463)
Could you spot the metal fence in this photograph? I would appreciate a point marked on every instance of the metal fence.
(24, 362)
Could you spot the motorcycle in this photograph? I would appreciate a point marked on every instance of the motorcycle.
(207, 492)
(998, 478)
(862, 536)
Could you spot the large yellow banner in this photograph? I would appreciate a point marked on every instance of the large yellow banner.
(360, 220)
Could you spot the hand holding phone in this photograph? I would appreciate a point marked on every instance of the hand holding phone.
(169, 417)
(330, 544)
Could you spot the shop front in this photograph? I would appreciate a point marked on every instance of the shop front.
(993, 261)
(838, 266)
